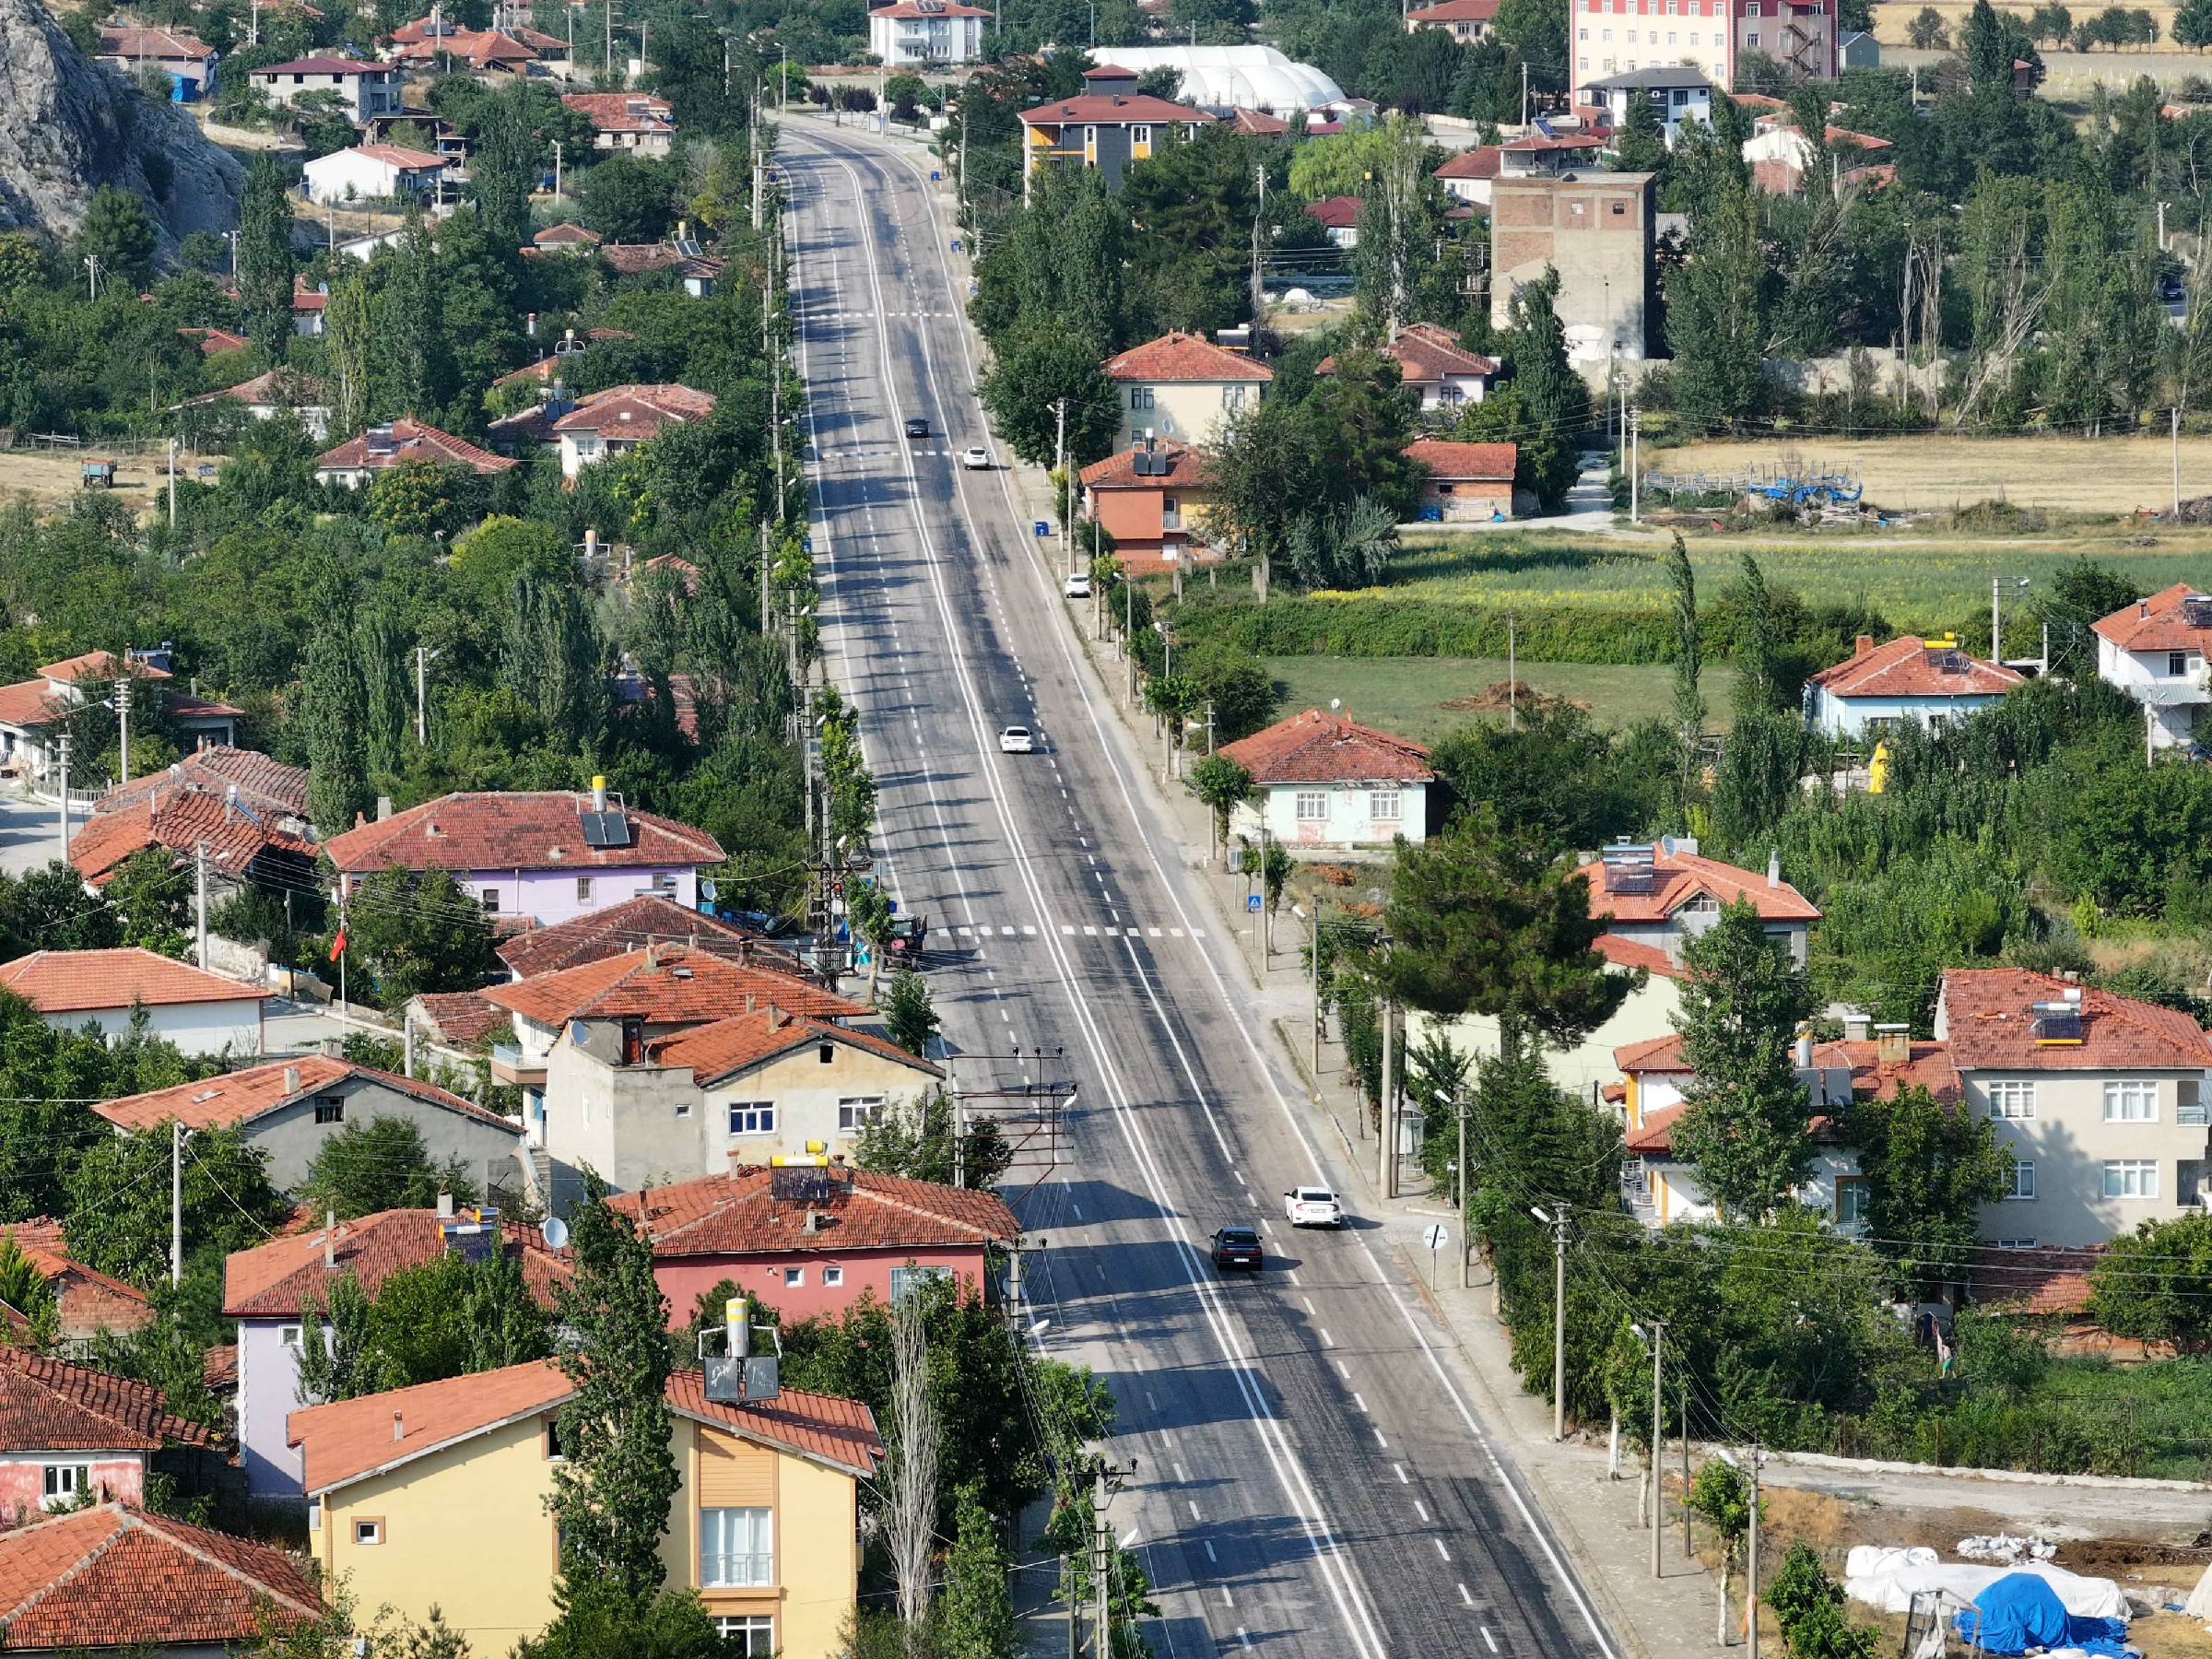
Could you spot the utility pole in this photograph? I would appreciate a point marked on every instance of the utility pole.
(178, 1134)
(2177, 459)
(1258, 949)
(1316, 946)
(122, 716)
(764, 580)
(199, 861)
(172, 485)
(1386, 1151)
(65, 794)
(424, 657)
(557, 142)
(1525, 95)
(1635, 463)
(1066, 501)
(1752, 1555)
(1102, 1544)
(1559, 1317)
(1258, 213)
(1129, 644)
(1658, 1437)
(1512, 673)
(92, 274)
(1459, 1110)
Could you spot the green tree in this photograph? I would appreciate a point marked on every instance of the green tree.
(1721, 1497)
(1689, 704)
(338, 1359)
(1927, 31)
(600, 1620)
(329, 714)
(2155, 1284)
(119, 234)
(1546, 461)
(118, 1194)
(1038, 369)
(504, 167)
(1808, 1609)
(555, 655)
(1928, 1170)
(417, 933)
(415, 496)
(412, 346)
(925, 1139)
(909, 1015)
(1558, 401)
(350, 328)
(1756, 783)
(1221, 783)
(1640, 145)
(612, 1490)
(23, 1288)
(1489, 920)
(152, 895)
(1758, 673)
(264, 255)
(1745, 1126)
(1717, 303)
(975, 1615)
(380, 1165)
(630, 200)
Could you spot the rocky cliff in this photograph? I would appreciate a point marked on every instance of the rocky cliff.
(69, 125)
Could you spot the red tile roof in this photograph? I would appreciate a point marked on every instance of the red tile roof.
(399, 156)
(180, 820)
(1544, 143)
(622, 112)
(630, 258)
(2157, 623)
(212, 340)
(267, 787)
(1257, 124)
(1109, 109)
(526, 829)
(68, 981)
(99, 664)
(50, 1405)
(936, 8)
(1909, 667)
(1455, 11)
(1428, 351)
(671, 984)
(1655, 1133)
(1481, 162)
(649, 919)
(322, 66)
(1634, 953)
(275, 388)
(1985, 1014)
(1185, 469)
(1682, 876)
(411, 440)
(738, 1043)
(1314, 748)
(88, 1299)
(350, 1439)
(218, 1368)
(636, 412)
(111, 1577)
(1338, 213)
(1185, 357)
(738, 1214)
(1927, 1065)
(2041, 1280)
(270, 1281)
(462, 1019)
(1483, 463)
(30, 703)
(152, 43)
(240, 1097)
(555, 236)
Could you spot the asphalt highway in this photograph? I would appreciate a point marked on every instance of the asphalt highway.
(1312, 1476)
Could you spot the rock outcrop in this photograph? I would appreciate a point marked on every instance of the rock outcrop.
(69, 126)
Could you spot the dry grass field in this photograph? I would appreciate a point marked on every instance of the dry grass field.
(52, 479)
(1932, 472)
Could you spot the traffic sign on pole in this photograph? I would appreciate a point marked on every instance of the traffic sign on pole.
(1433, 1235)
(1252, 902)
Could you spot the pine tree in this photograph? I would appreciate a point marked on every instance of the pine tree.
(330, 713)
(264, 256)
(612, 1491)
(975, 1618)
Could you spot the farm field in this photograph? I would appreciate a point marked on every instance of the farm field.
(1933, 471)
(1407, 695)
(52, 477)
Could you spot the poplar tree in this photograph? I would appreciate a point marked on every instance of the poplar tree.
(330, 713)
(384, 658)
(506, 157)
(975, 1618)
(1689, 703)
(264, 256)
(347, 329)
(1717, 304)
(414, 333)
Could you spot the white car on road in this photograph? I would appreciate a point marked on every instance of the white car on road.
(1077, 586)
(976, 458)
(1312, 1207)
(1017, 740)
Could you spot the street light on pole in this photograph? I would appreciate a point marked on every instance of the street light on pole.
(1559, 1317)
(1656, 1337)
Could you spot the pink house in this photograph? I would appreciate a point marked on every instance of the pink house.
(65, 1430)
(812, 1240)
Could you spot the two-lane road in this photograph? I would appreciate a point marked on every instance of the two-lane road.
(1310, 1477)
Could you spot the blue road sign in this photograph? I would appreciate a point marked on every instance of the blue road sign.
(1251, 901)
(1043, 528)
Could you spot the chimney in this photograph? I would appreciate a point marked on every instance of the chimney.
(383, 808)
(1858, 1027)
(445, 1206)
(230, 804)
(330, 1238)
(1892, 1044)
(399, 1427)
(1863, 644)
(1803, 1057)
(2073, 996)
(291, 1079)
(776, 1017)
(653, 954)
(812, 1225)
(1773, 867)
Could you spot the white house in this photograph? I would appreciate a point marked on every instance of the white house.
(1339, 216)
(1324, 781)
(2155, 650)
(372, 172)
(1435, 365)
(1182, 386)
(635, 122)
(32, 710)
(201, 1013)
(278, 392)
(1680, 92)
(609, 424)
(364, 89)
(1907, 679)
(927, 31)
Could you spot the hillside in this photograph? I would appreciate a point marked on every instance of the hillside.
(69, 127)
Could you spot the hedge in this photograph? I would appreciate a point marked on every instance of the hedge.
(1306, 625)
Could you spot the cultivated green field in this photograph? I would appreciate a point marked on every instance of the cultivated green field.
(1405, 695)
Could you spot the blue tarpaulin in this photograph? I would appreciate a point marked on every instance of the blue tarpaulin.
(2020, 1612)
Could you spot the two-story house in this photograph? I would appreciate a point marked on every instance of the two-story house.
(810, 1237)
(1150, 497)
(364, 89)
(2154, 651)
(1182, 387)
(1110, 126)
(546, 854)
(1677, 92)
(1663, 893)
(927, 31)
(1465, 21)
(608, 425)
(636, 122)
(1325, 781)
(2102, 1098)
(617, 929)
(271, 1289)
(764, 1527)
(31, 710)
(1431, 360)
(1922, 681)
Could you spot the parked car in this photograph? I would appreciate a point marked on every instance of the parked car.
(917, 428)
(1017, 740)
(1077, 586)
(1237, 1247)
(976, 458)
(1312, 1207)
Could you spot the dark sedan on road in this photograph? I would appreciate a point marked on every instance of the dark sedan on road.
(1237, 1247)
(917, 428)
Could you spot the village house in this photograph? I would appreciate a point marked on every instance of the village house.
(393, 443)
(1339, 216)
(2155, 650)
(72, 1435)
(1464, 483)
(695, 270)
(764, 1525)
(271, 393)
(364, 88)
(268, 788)
(1322, 780)
(1183, 387)
(618, 929)
(637, 123)
(1110, 126)
(373, 173)
(1677, 93)
(809, 1239)
(1924, 682)
(542, 854)
(203, 1013)
(31, 708)
(564, 238)
(607, 426)
(87, 1302)
(1662, 894)
(269, 1288)
(189, 822)
(188, 61)
(1433, 363)
(1151, 499)
(1465, 21)
(926, 32)
(1467, 176)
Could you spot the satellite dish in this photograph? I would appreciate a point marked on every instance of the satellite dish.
(556, 1232)
(578, 1031)
(706, 889)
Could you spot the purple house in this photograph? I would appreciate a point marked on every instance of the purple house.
(542, 855)
(269, 1288)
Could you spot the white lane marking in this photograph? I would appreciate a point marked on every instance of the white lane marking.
(1130, 1539)
(1242, 1637)
(1420, 1508)
(1381, 1441)
(1193, 1509)
(1090, 933)
(1210, 1549)
(1067, 927)
(1294, 1280)
(1358, 1402)
(1466, 1597)
(1486, 1636)
(1227, 1599)
(1150, 1400)
(1181, 1476)
(1346, 1369)
(1076, 1208)
(1441, 1549)
(1325, 1337)
(1401, 1469)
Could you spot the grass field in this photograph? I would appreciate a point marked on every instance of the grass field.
(1935, 471)
(1405, 695)
(52, 478)
(1914, 587)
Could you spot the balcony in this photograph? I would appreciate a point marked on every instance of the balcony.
(2172, 691)
(737, 1571)
(510, 1065)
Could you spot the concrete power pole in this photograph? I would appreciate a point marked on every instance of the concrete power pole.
(178, 1134)
(1386, 1153)
(199, 859)
(1752, 1555)
(1258, 213)
(424, 657)
(1559, 1317)
(123, 718)
(1066, 501)
(65, 794)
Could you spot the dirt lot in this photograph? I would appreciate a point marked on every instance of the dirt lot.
(51, 478)
(1935, 472)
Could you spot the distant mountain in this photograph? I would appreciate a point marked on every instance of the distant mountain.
(69, 125)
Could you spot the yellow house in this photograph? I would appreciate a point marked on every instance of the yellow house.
(435, 1496)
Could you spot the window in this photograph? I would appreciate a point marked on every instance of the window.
(65, 1481)
(1140, 398)
(2014, 1243)
(489, 898)
(289, 1335)
(1312, 806)
(1619, 209)
(2131, 1178)
(369, 1530)
(684, 1111)
(1090, 138)
(826, 1054)
(1232, 397)
(752, 1634)
(795, 1278)
(2021, 1184)
(2189, 1105)
(2013, 1098)
(1850, 1200)
(554, 1451)
(752, 1117)
(904, 1279)
(833, 1276)
(1583, 34)
(1704, 904)
(2131, 1100)
(2177, 664)
(855, 1112)
(1140, 134)
(584, 890)
(1751, 41)
(663, 884)
(736, 1548)
(1384, 805)
(330, 1109)
(1606, 34)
